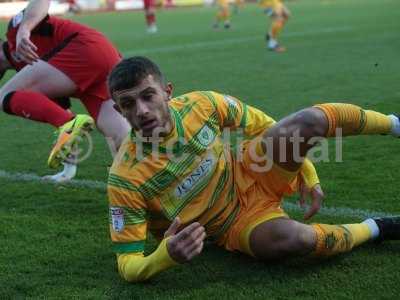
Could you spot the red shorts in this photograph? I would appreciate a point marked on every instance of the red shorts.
(87, 58)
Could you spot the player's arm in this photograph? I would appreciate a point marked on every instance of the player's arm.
(135, 267)
(234, 114)
(35, 12)
(129, 230)
(176, 247)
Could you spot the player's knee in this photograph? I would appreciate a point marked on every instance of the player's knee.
(311, 122)
(295, 241)
(281, 238)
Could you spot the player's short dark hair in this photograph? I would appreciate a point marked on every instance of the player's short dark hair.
(131, 71)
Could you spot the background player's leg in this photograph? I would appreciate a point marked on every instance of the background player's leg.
(279, 18)
(28, 94)
(150, 15)
(112, 125)
(109, 122)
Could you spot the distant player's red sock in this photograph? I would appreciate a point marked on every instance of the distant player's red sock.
(150, 19)
(37, 107)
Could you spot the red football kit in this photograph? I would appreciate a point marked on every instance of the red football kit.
(85, 55)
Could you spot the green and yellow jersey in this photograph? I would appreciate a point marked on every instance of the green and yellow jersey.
(191, 177)
(273, 4)
(188, 173)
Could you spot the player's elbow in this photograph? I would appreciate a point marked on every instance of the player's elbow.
(310, 122)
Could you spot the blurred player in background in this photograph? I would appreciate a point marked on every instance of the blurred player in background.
(237, 6)
(73, 6)
(150, 14)
(279, 15)
(223, 14)
(58, 58)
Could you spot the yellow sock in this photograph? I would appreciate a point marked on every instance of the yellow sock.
(361, 233)
(335, 239)
(276, 28)
(353, 120)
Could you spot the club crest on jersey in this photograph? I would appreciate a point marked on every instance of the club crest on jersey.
(117, 218)
(206, 136)
(190, 182)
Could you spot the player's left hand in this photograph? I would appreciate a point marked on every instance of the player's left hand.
(183, 245)
(317, 196)
(25, 49)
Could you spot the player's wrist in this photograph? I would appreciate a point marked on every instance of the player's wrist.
(309, 174)
(164, 249)
(26, 27)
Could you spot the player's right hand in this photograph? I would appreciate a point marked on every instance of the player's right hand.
(317, 196)
(25, 49)
(184, 245)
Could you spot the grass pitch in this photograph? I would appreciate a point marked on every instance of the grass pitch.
(55, 239)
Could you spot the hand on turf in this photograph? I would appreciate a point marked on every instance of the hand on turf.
(25, 49)
(184, 245)
(317, 196)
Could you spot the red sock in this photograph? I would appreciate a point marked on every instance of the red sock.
(37, 107)
(150, 18)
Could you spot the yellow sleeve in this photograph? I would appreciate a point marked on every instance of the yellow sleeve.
(309, 174)
(128, 216)
(135, 267)
(128, 228)
(235, 114)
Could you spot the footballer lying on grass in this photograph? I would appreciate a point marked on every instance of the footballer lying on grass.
(175, 177)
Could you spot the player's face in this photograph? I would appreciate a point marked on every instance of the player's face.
(145, 106)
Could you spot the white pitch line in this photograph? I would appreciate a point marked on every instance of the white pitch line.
(333, 211)
(101, 186)
(206, 44)
(29, 177)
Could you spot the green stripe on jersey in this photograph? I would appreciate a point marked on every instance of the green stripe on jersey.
(186, 109)
(120, 182)
(223, 179)
(243, 121)
(210, 97)
(228, 222)
(163, 179)
(133, 247)
(232, 113)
